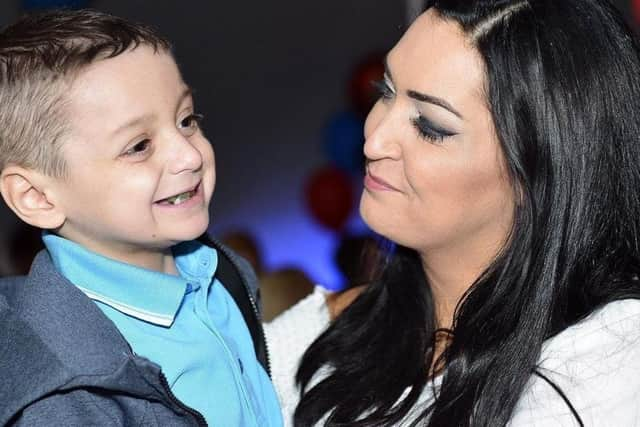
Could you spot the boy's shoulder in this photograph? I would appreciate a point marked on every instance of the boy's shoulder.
(8, 286)
(53, 338)
(29, 369)
(56, 314)
(50, 305)
(13, 289)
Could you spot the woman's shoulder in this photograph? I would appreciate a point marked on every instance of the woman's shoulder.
(288, 336)
(596, 365)
(311, 311)
(616, 324)
(292, 332)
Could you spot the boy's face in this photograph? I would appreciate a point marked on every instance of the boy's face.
(134, 146)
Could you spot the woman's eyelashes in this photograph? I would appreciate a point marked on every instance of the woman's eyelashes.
(385, 92)
(429, 131)
(426, 128)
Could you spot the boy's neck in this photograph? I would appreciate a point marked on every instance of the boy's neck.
(161, 261)
(155, 259)
(169, 264)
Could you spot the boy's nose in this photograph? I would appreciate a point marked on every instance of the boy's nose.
(185, 156)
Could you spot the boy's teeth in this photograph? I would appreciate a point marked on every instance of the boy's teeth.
(182, 197)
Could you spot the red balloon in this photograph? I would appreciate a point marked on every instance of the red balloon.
(635, 10)
(361, 90)
(329, 197)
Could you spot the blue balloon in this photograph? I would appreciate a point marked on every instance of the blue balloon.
(344, 140)
(54, 4)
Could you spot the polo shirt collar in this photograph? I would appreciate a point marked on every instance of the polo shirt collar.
(147, 295)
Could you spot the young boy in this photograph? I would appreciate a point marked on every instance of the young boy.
(125, 318)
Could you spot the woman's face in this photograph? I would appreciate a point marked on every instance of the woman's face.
(435, 174)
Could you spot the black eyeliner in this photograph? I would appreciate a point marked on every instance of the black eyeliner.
(428, 130)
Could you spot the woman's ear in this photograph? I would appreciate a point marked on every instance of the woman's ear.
(30, 195)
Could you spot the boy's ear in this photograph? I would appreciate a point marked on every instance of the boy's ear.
(30, 195)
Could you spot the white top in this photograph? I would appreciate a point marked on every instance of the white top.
(596, 363)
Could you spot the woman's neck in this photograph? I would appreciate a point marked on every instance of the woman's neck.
(450, 274)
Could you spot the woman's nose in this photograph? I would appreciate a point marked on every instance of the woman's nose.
(381, 132)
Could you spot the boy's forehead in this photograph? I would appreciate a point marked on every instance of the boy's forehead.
(105, 70)
(137, 83)
(128, 80)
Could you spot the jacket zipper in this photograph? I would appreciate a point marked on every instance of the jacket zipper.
(254, 306)
(198, 416)
(163, 379)
(172, 397)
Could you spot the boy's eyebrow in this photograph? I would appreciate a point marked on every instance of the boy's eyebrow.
(133, 122)
(187, 92)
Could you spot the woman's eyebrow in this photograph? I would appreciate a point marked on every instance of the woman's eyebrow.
(423, 97)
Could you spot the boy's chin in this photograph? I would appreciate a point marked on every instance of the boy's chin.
(192, 233)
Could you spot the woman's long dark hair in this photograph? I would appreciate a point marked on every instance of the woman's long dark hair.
(563, 86)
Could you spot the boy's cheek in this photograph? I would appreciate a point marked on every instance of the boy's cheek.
(210, 184)
(212, 168)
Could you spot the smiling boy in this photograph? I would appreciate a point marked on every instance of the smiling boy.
(125, 318)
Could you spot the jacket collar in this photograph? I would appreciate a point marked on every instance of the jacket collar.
(53, 337)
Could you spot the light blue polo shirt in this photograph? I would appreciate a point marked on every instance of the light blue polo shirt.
(189, 325)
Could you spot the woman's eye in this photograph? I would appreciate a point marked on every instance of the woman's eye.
(190, 124)
(429, 131)
(139, 148)
(385, 92)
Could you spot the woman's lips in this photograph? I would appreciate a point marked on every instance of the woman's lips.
(372, 182)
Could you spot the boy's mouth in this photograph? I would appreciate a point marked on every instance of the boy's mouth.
(179, 198)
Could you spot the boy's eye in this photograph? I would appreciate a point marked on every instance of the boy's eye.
(139, 148)
(190, 124)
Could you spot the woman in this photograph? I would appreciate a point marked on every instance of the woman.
(503, 162)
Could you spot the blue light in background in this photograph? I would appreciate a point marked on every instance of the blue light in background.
(289, 237)
(50, 4)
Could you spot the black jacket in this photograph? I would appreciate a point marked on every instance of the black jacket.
(64, 363)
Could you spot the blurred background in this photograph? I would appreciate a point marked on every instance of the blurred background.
(284, 87)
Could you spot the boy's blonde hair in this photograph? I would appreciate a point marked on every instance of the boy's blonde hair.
(40, 55)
